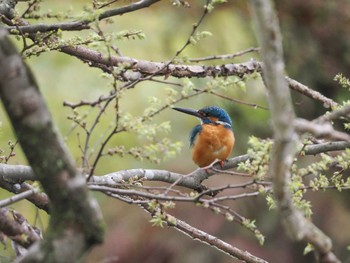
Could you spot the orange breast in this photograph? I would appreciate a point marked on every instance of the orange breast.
(213, 142)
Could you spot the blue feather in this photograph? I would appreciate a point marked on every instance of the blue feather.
(217, 112)
(195, 131)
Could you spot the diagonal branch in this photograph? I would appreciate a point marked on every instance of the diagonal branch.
(205, 238)
(127, 9)
(343, 112)
(16, 186)
(312, 94)
(83, 24)
(50, 161)
(18, 197)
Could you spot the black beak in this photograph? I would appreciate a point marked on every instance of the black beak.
(188, 111)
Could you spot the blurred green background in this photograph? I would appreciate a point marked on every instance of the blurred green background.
(316, 43)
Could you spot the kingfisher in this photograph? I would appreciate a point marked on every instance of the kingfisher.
(213, 139)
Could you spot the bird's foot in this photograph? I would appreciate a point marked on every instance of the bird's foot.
(211, 166)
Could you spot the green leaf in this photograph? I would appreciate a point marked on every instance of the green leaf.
(343, 81)
(259, 236)
(308, 249)
(229, 216)
(157, 221)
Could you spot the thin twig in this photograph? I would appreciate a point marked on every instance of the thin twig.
(150, 196)
(255, 106)
(83, 24)
(333, 115)
(220, 171)
(11, 153)
(227, 56)
(18, 197)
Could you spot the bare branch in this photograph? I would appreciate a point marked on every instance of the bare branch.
(18, 197)
(326, 147)
(227, 56)
(312, 94)
(215, 242)
(16, 173)
(206, 238)
(143, 68)
(12, 178)
(65, 26)
(127, 9)
(333, 115)
(324, 130)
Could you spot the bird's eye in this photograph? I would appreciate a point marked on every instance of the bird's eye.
(203, 114)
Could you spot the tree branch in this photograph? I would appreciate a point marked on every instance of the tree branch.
(285, 138)
(312, 94)
(17, 230)
(17, 174)
(127, 9)
(336, 114)
(324, 130)
(206, 238)
(51, 162)
(18, 197)
(227, 56)
(143, 68)
(326, 147)
(79, 25)
(12, 178)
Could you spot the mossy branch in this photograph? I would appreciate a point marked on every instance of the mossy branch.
(51, 162)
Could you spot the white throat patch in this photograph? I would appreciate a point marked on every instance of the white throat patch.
(223, 123)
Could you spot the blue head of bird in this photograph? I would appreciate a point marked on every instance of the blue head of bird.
(213, 139)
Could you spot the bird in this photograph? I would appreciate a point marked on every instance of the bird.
(213, 139)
